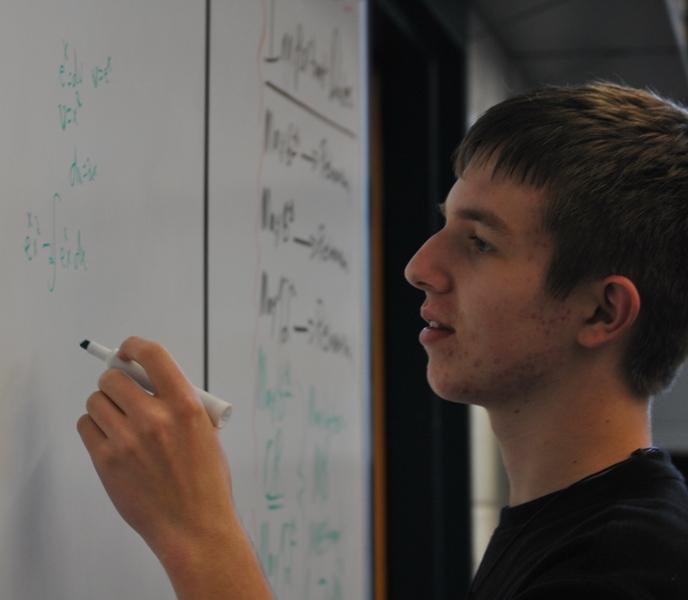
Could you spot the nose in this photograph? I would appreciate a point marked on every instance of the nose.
(426, 270)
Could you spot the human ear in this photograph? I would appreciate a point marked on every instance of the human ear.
(615, 307)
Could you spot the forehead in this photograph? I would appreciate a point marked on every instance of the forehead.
(479, 196)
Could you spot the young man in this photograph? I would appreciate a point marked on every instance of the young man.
(557, 298)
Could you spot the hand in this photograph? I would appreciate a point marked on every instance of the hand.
(162, 465)
(158, 456)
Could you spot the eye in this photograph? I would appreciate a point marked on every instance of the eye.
(480, 245)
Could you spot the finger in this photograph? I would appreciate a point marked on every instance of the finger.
(105, 414)
(92, 437)
(163, 372)
(124, 392)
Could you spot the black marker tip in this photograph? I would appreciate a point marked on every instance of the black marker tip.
(84, 344)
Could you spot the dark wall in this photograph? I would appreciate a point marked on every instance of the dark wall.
(419, 70)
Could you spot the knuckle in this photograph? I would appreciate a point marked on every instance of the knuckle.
(151, 351)
(155, 429)
(91, 402)
(188, 408)
(82, 423)
(112, 379)
(109, 378)
(109, 457)
(127, 449)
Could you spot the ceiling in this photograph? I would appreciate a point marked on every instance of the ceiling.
(637, 42)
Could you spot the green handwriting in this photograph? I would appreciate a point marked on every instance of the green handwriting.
(99, 75)
(273, 399)
(82, 171)
(320, 418)
(65, 251)
(322, 537)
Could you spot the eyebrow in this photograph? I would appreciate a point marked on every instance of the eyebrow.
(486, 217)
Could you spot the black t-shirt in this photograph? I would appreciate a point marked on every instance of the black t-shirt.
(621, 534)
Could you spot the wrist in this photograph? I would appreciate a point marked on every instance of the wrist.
(218, 565)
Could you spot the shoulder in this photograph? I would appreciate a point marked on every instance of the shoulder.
(661, 520)
(575, 588)
(651, 532)
(634, 549)
(624, 535)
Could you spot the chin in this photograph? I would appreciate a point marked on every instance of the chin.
(454, 390)
(447, 390)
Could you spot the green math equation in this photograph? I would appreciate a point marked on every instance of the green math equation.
(82, 170)
(70, 77)
(300, 510)
(60, 247)
(49, 238)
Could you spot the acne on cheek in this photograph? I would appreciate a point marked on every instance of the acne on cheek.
(565, 317)
(546, 316)
(556, 321)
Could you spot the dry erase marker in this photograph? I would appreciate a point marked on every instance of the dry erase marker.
(218, 410)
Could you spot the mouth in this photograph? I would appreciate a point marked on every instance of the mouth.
(435, 331)
(438, 325)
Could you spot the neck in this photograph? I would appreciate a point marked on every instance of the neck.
(551, 440)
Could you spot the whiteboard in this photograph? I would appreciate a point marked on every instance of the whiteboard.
(288, 314)
(101, 237)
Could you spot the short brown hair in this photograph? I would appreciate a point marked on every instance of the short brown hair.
(614, 163)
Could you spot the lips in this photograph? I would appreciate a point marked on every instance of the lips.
(438, 325)
(436, 329)
(433, 320)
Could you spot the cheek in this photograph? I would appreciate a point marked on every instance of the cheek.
(516, 320)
